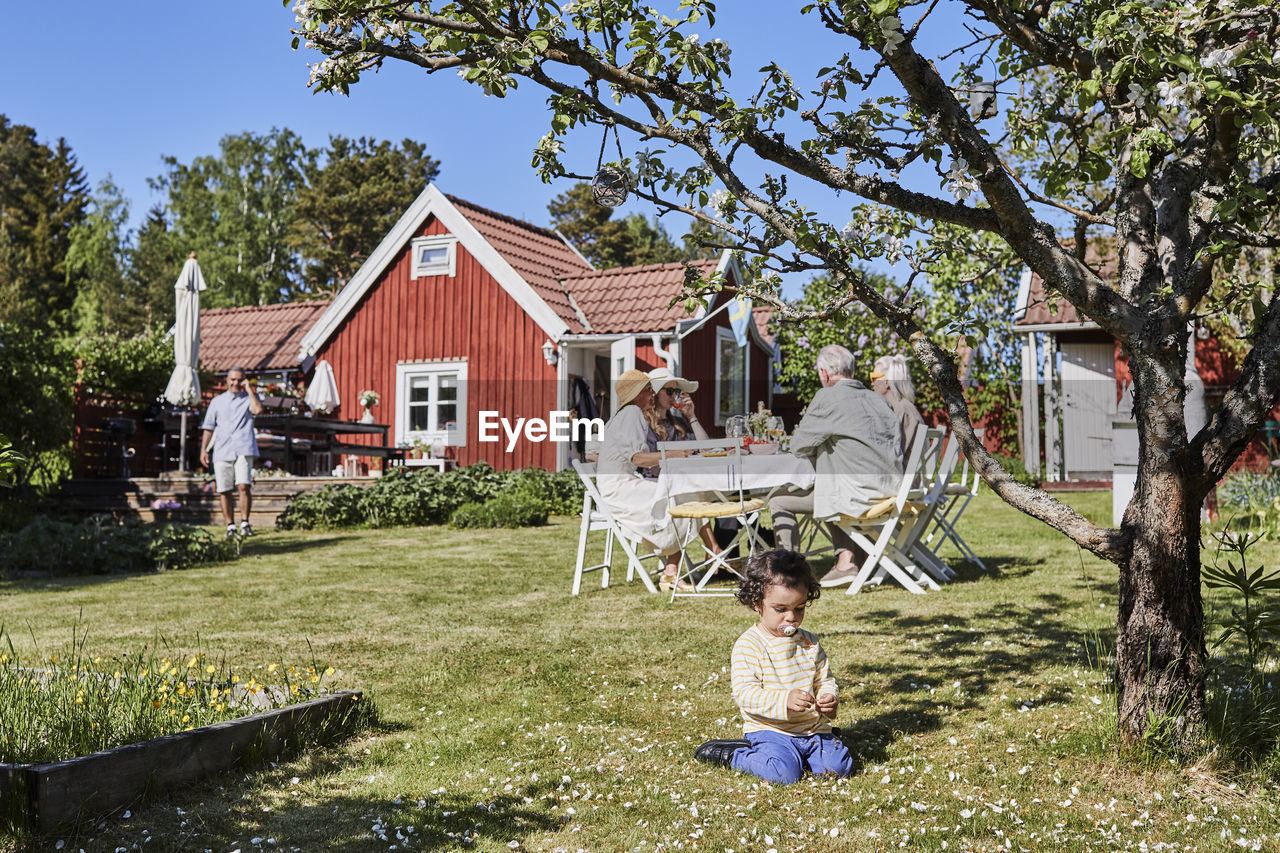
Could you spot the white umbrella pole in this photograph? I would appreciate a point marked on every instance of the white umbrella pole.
(182, 443)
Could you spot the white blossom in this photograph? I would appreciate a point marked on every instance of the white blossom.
(721, 48)
(691, 39)
(891, 30)
(851, 231)
(721, 201)
(892, 248)
(961, 184)
(1137, 95)
(1179, 93)
(1219, 59)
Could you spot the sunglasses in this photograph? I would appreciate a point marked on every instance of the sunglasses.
(671, 390)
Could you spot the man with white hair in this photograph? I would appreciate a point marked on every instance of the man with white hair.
(851, 435)
(891, 379)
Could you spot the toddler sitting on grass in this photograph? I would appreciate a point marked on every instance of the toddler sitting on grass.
(781, 681)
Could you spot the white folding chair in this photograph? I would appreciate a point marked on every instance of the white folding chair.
(730, 502)
(957, 495)
(890, 518)
(939, 468)
(596, 516)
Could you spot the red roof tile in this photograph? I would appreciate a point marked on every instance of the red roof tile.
(256, 337)
(633, 299)
(539, 255)
(1041, 310)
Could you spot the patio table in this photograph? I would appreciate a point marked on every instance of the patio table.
(721, 474)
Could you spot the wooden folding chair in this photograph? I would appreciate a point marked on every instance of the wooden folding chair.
(957, 497)
(890, 518)
(729, 502)
(596, 517)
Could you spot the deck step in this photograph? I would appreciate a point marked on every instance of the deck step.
(142, 498)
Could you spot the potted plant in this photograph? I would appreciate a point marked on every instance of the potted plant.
(368, 399)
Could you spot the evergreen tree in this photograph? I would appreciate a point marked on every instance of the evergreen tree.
(42, 197)
(354, 192)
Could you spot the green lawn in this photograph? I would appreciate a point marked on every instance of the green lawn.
(518, 717)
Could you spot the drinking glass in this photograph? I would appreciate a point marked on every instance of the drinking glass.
(736, 426)
(774, 428)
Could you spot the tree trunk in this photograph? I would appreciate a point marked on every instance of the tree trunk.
(1160, 649)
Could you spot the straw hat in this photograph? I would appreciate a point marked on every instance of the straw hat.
(660, 376)
(629, 385)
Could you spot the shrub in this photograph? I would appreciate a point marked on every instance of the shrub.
(413, 498)
(98, 546)
(506, 510)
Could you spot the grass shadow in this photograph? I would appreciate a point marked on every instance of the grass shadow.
(273, 547)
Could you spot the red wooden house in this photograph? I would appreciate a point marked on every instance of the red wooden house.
(463, 313)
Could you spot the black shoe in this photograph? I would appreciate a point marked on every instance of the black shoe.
(719, 751)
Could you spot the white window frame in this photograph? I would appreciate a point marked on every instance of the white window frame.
(724, 334)
(447, 267)
(405, 373)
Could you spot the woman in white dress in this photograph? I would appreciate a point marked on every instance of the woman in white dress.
(635, 502)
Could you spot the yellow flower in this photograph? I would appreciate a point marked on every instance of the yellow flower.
(328, 671)
(156, 703)
(271, 668)
(210, 668)
(191, 663)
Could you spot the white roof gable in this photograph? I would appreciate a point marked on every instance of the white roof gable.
(430, 202)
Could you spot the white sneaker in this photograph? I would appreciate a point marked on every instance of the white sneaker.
(231, 530)
(246, 529)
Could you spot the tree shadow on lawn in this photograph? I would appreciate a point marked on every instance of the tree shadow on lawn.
(228, 810)
(973, 651)
(868, 739)
(272, 547)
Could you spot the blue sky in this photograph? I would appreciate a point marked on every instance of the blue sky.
(126, 84)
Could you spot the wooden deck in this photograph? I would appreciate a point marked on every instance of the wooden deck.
(134, 498)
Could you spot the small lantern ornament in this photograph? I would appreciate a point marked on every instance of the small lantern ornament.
(610, 186)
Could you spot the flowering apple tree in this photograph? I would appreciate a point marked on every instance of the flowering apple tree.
(942, 129)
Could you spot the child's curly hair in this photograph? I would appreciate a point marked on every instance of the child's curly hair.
(787, 568)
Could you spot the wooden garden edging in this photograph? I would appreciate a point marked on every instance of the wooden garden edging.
(46, 797)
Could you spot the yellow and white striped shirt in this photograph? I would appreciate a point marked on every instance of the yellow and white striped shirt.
(766, 669)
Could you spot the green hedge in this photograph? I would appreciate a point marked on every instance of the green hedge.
(513, 509)
(99, 546)
(407, 498)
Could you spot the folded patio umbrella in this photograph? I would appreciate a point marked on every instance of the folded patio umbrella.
(322, 396)
(184, 385)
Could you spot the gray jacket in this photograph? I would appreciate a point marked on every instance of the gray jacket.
(852, 435)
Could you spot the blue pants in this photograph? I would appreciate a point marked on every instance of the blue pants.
(782, 759)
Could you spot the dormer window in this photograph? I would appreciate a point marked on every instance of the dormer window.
(434, 256)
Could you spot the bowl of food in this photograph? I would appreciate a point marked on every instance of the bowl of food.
(764, 448)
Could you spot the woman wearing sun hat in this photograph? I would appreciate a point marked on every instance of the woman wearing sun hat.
(634, 501)
(671, 416)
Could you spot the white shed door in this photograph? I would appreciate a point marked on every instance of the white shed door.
(1088, 404)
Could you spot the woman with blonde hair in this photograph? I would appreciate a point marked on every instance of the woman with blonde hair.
(635, 502)
(891, 378)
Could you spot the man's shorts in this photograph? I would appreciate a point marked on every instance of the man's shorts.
(231, 474)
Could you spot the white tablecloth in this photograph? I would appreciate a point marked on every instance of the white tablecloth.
(721, 474)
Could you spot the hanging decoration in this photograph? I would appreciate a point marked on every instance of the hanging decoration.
(610, 185)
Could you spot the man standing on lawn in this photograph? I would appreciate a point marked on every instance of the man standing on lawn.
(228, 426)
